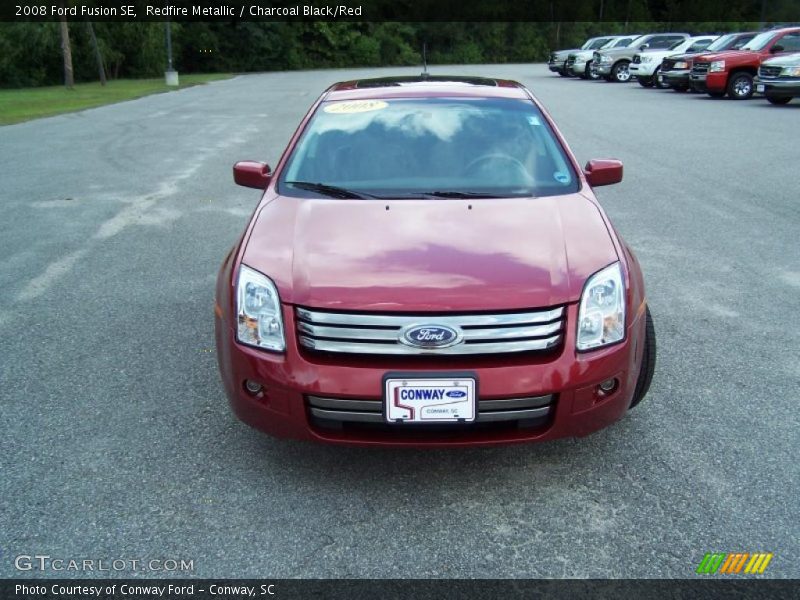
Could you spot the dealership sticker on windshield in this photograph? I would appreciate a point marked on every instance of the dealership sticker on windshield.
(430, 400)
(355, 106)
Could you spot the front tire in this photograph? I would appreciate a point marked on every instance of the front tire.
(740, 86)
(645, 82)
(563, 73)
(620, 72)
(779, 100)
(648, 366)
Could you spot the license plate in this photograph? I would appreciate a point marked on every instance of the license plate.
(760, 88)
(429, 400)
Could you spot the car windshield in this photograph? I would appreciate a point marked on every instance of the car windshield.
(721, 43)
(598, 43)
(678, 44)
(622, 43)
(428, 147)
(760, 41)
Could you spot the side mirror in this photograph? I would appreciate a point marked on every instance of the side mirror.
(775, 49)
(252, 174)
(603, 172)
(644, 46)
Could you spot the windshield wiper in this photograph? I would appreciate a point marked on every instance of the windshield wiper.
(329, 190)
(455, 194)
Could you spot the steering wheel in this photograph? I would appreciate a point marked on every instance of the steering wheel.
(499, 157)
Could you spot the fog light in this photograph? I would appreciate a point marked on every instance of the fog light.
(253, 387)
(607, 387)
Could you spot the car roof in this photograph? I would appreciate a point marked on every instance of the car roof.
(426, 85)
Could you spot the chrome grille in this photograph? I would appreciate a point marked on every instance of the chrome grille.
(570, 61)
(380, 333)
(769, 71)
(699, 68)
(346, 410)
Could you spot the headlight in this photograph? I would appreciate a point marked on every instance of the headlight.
(601, 318)
(716, 66)
(681, 64)
(602, 58)
(791, 71)
(258, 309)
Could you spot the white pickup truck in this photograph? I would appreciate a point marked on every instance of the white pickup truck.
(645, 65)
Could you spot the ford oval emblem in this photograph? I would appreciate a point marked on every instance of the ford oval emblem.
(430, 336)
(455, 394)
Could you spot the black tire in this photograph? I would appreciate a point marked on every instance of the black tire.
(740, 86)
(563, 73)
(648, 361)
(590, 73)
(620, 72)
(779, 100)
(645, 81)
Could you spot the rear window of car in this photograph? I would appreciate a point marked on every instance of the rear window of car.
(413, 147)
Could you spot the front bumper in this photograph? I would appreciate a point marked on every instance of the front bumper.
(603, 68)
(579, 66)
(709, 82)
(556, 67)
(281, 409)
(642, 70)
(676, 77)
(778, 87)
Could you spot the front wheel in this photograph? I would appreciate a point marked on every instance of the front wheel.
(620, 72)
(648, 366)
(740, 86)
(563, 73)
(645, 81)
(591, 72)
(779, 100)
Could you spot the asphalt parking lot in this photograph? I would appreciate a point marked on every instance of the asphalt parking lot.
(117, 442)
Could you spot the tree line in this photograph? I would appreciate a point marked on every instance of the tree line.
(32, 54)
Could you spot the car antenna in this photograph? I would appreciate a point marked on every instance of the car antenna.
(424, 74)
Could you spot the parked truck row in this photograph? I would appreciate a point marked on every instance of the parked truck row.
(737, 65)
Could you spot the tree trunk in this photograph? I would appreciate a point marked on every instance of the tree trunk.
(101, 68)
(66, 50)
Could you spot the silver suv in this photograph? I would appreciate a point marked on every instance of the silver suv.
(613, 64)
(580, 62)
(558, 58)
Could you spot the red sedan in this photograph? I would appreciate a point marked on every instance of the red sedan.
(428, 266)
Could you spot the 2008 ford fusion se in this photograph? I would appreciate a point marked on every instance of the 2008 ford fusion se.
(428, 266)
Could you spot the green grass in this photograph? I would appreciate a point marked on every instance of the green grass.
(33, 103)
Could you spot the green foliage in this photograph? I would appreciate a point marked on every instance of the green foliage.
(30, 53)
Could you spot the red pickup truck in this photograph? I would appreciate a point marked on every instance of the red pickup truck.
(732, 72)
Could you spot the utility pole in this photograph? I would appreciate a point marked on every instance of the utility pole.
(171, 75)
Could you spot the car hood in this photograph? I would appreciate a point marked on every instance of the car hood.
(787, 60)
(562, 54)
(430, 255)
(726, 55)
